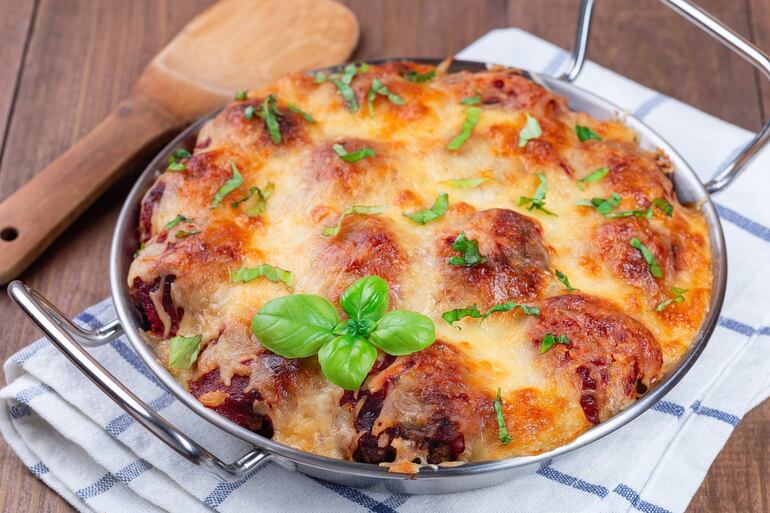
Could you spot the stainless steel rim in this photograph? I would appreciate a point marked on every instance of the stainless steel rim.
(687, 182)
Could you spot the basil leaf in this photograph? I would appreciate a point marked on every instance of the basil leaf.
(549, 340)
(664, 206)
(295, 326)
(332, 231)
(401, 332)
(229, 186)
(649, 257)
(274, 274)
(563, 278)
(678, 298)
(181, 234)
(530, 131)
(355, 156)
(260, 202)
(296, 110)
(360, 328)
(465, 183)
(378, 88)
(470, 252)
(538, 200)
(347, 360)
(343, 84)
(603, 206)
(647, 213)
(471, 100)
(584, 133)
(418, 78)
(249, 112)
(177, 166)
(438, 209)
(502, 429)
(366, 299)
(174, 159)
(471, 119)
(595, 176)
(183, 351)
(269, 114)
(240, 95)
(453, 316)
(178, 219)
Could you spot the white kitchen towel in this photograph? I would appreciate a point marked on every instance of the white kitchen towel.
(84, 447)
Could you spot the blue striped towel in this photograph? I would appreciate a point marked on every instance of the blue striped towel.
(99, 459)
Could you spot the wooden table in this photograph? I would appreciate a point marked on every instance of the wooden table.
(66, 63)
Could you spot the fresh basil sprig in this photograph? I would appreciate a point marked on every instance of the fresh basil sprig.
(530, 131)
(183, 351)
(678, 298)
(301, 325)
(549, 340)
(648, 256)
(502, 430)
(438, 209)
(274, 274)
(471, 120)
(452, 316)
(538, 200)
(584, 133)
(229, 186)
(469, 250)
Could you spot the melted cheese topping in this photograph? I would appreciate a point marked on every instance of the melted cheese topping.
(547, 398)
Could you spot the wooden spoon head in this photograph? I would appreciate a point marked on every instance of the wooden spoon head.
(243, 44)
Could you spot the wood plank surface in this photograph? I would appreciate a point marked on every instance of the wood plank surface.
(66, 64)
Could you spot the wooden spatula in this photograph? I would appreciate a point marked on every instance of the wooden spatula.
(233, 45)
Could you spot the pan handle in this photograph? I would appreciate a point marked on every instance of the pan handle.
(706, 22)
(62, 333)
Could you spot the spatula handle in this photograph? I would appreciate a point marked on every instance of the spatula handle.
(33, 216)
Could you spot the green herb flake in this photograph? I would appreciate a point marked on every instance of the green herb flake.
(260, 201)
(178, 219)
(240, 95)
(584, 133)
(549, 340)
(471, 120)
(438, 209)
(538, 200)
(471, 100)
(175, 160)
(603, 206)
(530, 131)
(355, 156)
(594, 177)
(502, 430)
(649, 257)
(269, 114)
(249, 112)
(183, 234)
(378, 88)
(563, 278)
(296, 110)
(470, 252)
(452, 316)
(183, 351)
(332, 231)
(418, 78)
(678, 298)
(320, 77)
(466, 183)
(664, 206)
(274, 274)
(342, 82)
(141, 247)
(235, 181)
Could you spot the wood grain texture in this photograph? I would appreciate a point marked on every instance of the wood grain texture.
(83, 57)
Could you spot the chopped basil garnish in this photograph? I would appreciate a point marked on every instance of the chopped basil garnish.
(678, 298)
(178, 219)
(229, 186)
(269, 114)
(538, 200)
(355, 156)
(502, 429)
(470, 252)
(177, 166)
(664, 206)
(603, 206)
(584, 133)
(332, 231)
(471, 100)
(342, 82)
(174, 161)
(182, 234)
(418, 78)
(595, 176)
(455, 315)
(296, 110)
(240, 95)
(249, 112)
(563, 278)
(141, 247)
(530, 131)
(649, 257)
(549, 340)
(183, 351)
(471, 119)
(260, 201)
(379, 88)
(438, 209)
(319, 77)
(274, 274)
(301, 325)
(465, 183)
